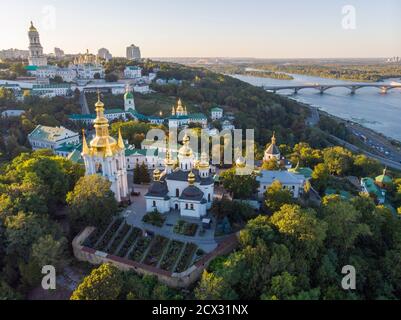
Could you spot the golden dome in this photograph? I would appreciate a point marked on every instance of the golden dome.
(32, 28)
(185, 151)
(180, 108)
(191, 178)
(204, 162)
(156, 175)
(103, 144)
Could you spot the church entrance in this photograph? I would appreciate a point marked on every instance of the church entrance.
(176, 206)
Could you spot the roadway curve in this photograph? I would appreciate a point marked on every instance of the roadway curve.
(389, 163)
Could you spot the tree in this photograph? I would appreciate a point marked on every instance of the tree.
(272, 164)
(111, 77)
(320, 177)
(91, 203)
(137, 174)
(258, 229)
(365, 167)
(49, 251)
(213, 287)
(144, 173)
(338, 160)
(276, 196)
(104, 283)
(345, 224)
(24, 229)
(282, 287)
(301, 227)
(242, 187)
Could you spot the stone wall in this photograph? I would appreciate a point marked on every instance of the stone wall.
(175, 280)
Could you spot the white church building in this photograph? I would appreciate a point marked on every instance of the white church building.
(105, 156)
(188, 189)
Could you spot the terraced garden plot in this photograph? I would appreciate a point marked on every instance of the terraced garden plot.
(120, 236)
(140, 248)
(171, 256)
(109, 235)
(186, 228)
(135, 234)
(186, 258)
(155, 253)
(93, 237)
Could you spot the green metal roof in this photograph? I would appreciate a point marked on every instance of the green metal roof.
(372, 188)
(306, 172)
(52, 134)
(216, 109)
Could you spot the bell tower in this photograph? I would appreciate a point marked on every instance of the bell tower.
(105, 156)
(36, 56)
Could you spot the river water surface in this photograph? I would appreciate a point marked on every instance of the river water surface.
(368, 107)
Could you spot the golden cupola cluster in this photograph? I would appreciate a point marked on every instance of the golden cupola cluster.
(102, 145)
(191, 178)
(185, 150)
(204, 161)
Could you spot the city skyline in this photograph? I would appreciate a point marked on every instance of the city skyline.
(258, 29)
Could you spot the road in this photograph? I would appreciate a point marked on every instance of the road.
(84, 103)
(387, 162)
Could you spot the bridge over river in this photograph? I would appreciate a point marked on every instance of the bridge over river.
(322, 88)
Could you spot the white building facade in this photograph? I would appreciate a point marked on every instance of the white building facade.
(43, 137)
(188, 189)
(292, 182)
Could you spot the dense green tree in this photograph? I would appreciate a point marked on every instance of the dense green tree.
(104, 283)
(91, 203)
(242, 187)
(338, 160)
(49, 251)
(276, 197)
(213, 287)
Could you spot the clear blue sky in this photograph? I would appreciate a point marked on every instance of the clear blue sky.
(224, 28)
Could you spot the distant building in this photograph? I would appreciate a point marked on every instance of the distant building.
(58, 53)
(180, 117)
(292, 182)
(216, 113)
(50, 72)
(132, 72)
(12, 54)
(36, 56)
(105, 54)
(12, 113)
(129, 101)
(133, 53)
(43, 137)
(51, 90)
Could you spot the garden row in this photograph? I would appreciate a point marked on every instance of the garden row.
(125, 241)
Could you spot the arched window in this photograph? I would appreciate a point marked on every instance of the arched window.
(154, 203)
(177, 192)
(192, 207)
(99, 168)
(209, 198)
(186, 206)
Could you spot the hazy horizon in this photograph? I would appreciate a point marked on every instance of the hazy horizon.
(209, 29)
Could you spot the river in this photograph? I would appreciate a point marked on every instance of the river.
(368, 107)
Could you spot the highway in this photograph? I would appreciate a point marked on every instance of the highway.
(387, 162)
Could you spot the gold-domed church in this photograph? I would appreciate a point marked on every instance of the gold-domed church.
(185, 185)
(105, 156)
